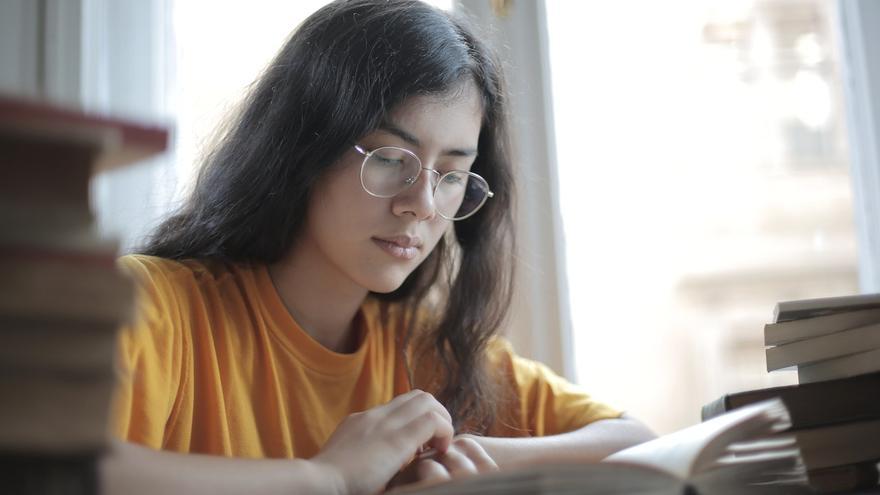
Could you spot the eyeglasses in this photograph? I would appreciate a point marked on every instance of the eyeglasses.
(388, 171)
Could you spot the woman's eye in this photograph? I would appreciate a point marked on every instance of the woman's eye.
(453, 179)
(388, 161)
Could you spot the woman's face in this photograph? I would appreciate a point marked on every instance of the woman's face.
(375, 243)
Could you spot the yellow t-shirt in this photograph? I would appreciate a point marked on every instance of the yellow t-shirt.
(215, 364)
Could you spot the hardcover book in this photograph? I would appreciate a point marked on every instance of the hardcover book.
(813, 404)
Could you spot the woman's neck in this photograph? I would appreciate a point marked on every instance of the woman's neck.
(321, 300)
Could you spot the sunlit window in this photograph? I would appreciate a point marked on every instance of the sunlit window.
(222, 47)
(703, 177)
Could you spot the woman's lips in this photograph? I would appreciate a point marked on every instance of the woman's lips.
(404, 248)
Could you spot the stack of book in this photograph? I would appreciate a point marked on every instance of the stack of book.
(834, 344)
(825, 339)
(61, 295)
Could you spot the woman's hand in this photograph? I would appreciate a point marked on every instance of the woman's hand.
(369, 447)
(464, 457)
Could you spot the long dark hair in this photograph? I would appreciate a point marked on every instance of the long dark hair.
(340, 73)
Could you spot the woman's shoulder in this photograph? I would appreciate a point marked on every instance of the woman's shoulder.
(179, 281)
(499, 350)
(143, 263)
(140, 265)
(145, 267)
(503, 357)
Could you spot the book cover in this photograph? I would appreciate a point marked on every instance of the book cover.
(840, 444)
(810, 308)
(37, 171)
(812, 404)
(807, 328)
(115, 142)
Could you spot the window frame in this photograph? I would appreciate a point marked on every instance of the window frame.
(854, 24)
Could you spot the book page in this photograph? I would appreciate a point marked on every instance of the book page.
(561, 479)
(778, 471)
(688, 451)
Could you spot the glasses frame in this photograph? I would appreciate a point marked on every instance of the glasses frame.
(413, 180)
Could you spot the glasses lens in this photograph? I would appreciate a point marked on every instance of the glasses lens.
(388, 171)
(460, 194)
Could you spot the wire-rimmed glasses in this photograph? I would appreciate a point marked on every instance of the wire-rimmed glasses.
(389, 170)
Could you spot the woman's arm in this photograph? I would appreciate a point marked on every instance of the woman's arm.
(132, 469)
(591, 443)
(361, 456)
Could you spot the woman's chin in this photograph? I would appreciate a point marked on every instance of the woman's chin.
(385, 287)
(387, 282)
(384, 278)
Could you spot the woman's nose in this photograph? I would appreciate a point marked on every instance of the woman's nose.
(418, 199)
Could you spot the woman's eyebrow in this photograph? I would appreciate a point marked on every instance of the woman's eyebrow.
(414, 141)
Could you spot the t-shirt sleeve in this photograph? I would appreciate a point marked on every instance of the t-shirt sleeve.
(150, 356)
(536, 401)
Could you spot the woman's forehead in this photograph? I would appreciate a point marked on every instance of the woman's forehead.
(453, 119)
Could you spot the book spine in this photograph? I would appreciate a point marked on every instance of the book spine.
(48, 475)
(807, 308)
(844, 478)
(839, 445)
(814, 404)
(58, 288)
(842, 367)
(55, 411)
(821, 348)
(715, 408)
(792, 331)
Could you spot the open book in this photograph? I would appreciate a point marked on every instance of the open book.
(739, 452)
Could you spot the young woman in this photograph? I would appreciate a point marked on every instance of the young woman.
(321, 314)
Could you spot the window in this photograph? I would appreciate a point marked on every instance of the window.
(222, 47)
(703, 177)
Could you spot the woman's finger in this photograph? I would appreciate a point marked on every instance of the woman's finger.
(429, 428)
(457, 463)
(429, 471)
(476, 453)
(404, 407)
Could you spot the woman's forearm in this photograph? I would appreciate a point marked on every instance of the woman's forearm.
(134, 470)
(591, 443)
(365, 451)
